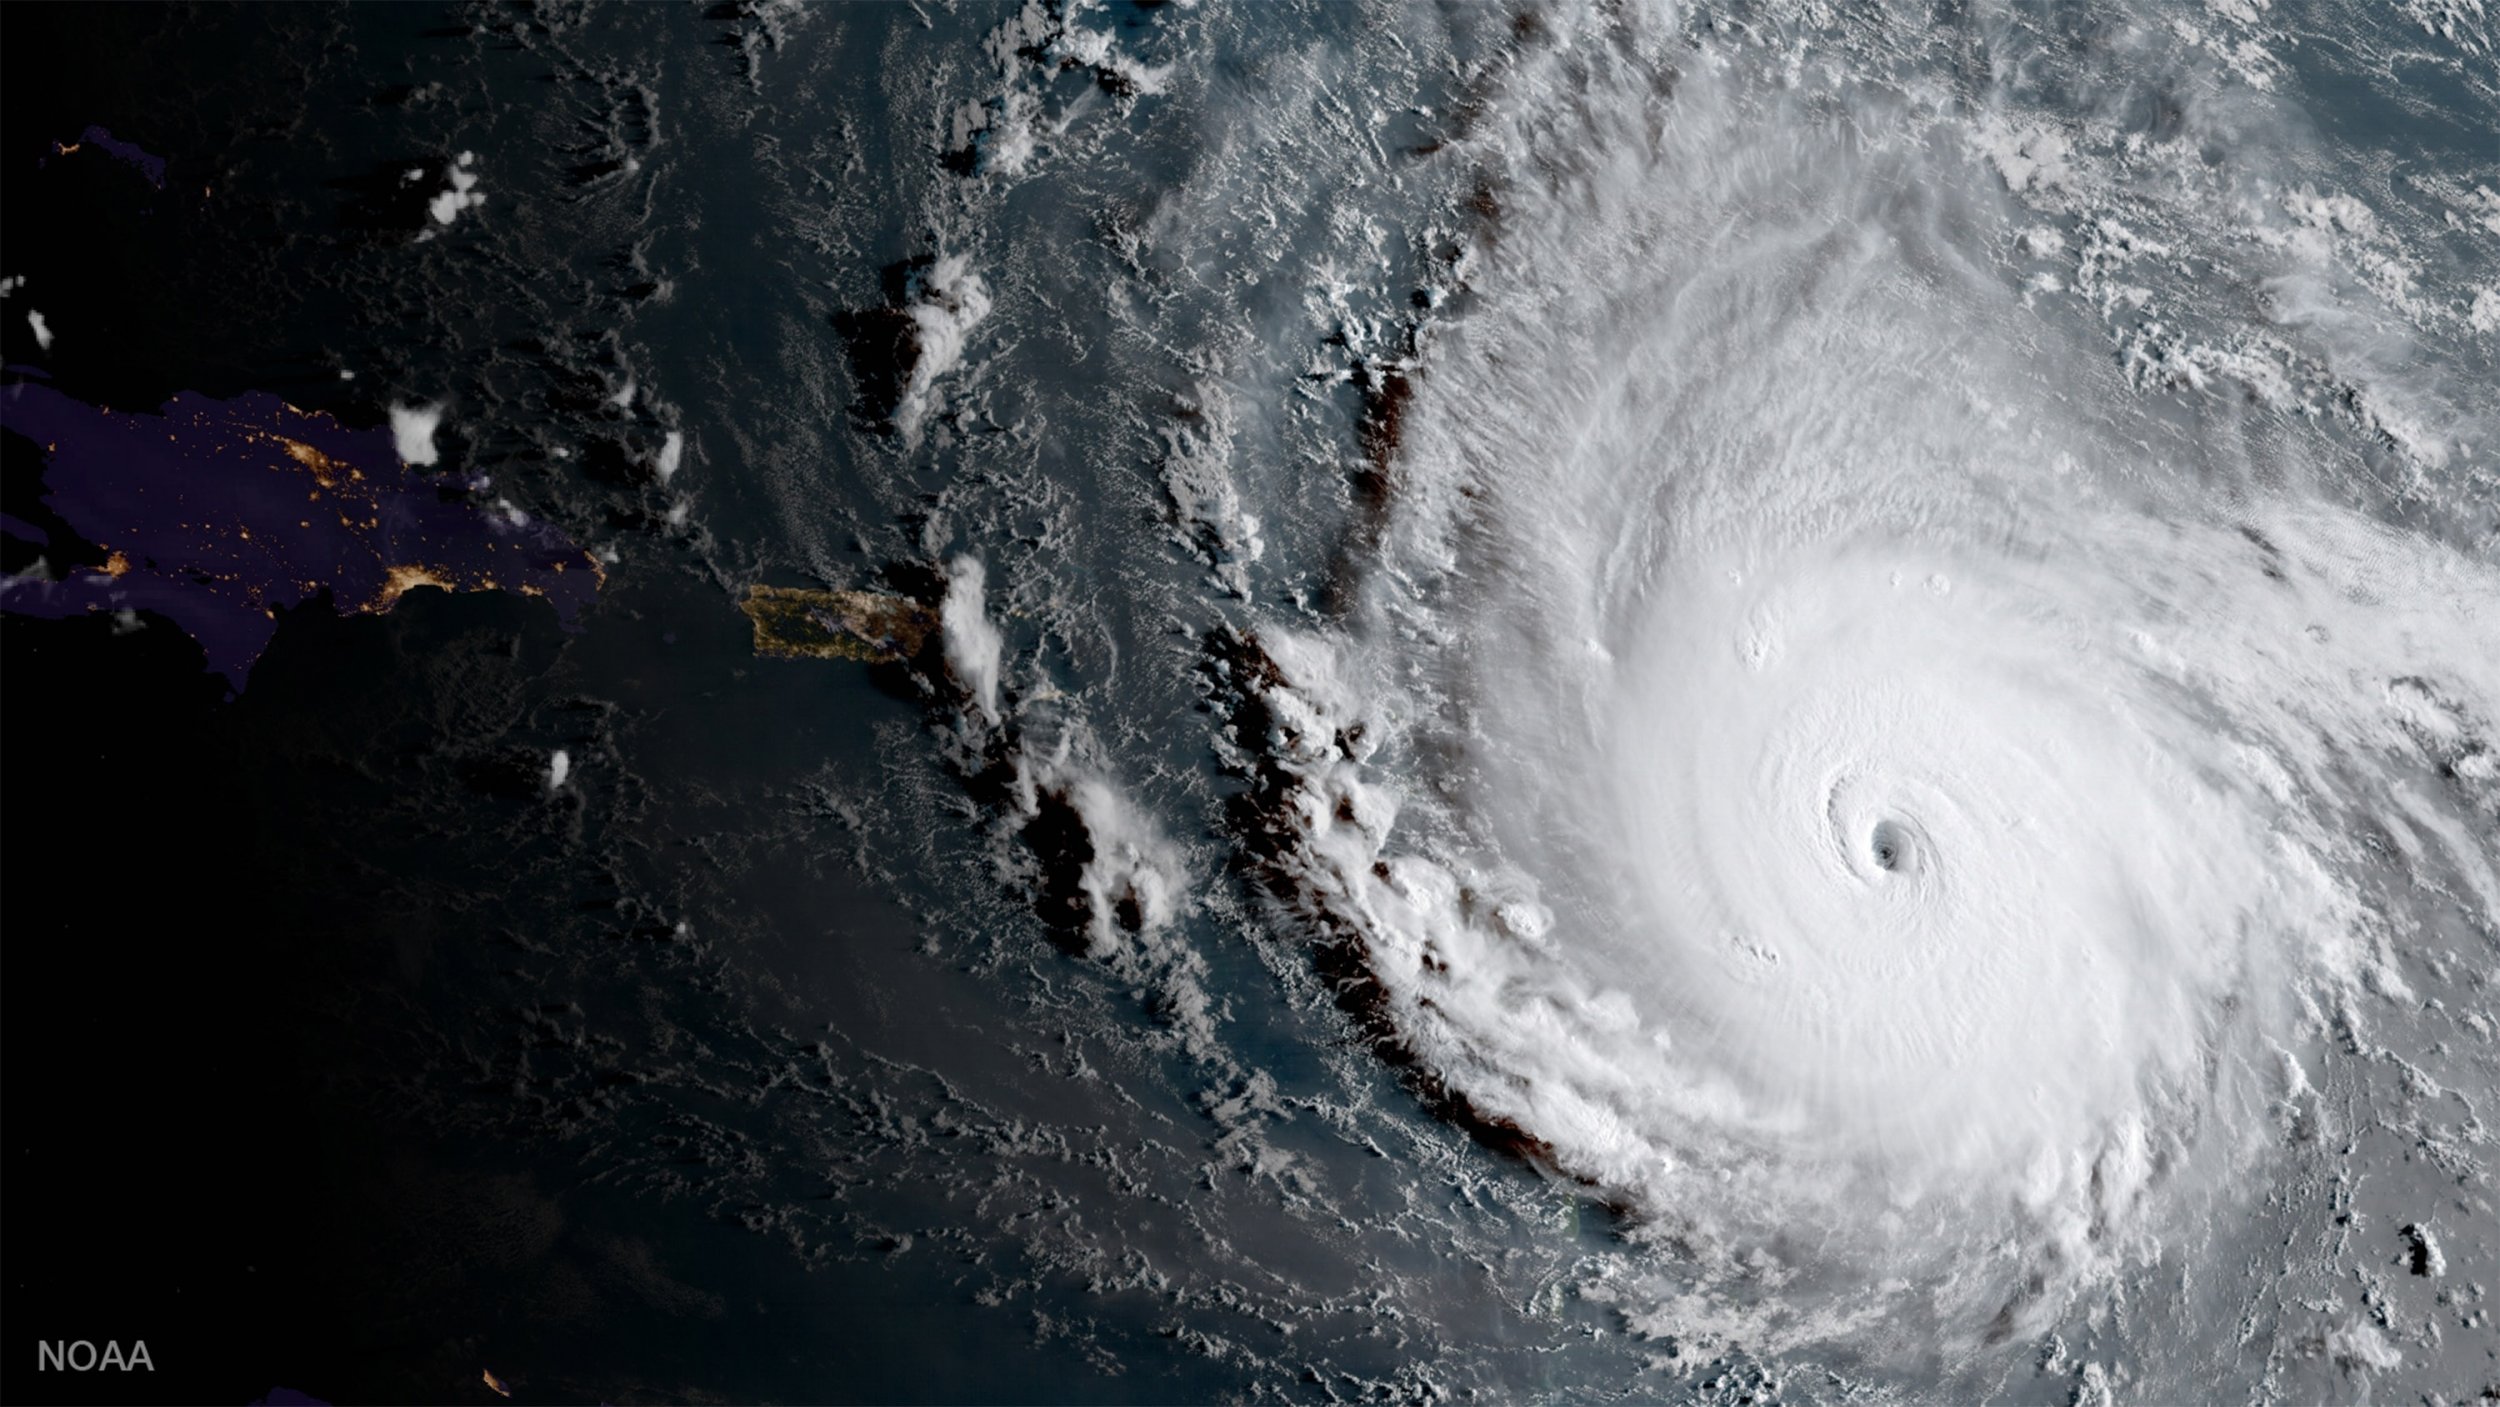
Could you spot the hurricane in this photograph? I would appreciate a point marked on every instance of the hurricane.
(1861, 739)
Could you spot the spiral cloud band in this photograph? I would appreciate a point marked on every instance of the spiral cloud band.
(1827, 761)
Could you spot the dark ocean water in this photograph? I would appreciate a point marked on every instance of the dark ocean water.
(1282, 418)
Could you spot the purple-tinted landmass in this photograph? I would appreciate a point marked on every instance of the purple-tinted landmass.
(218, 513)
(288, 1397)
(149, 164)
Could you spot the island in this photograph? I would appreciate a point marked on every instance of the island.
(218, 514)
(798, 623)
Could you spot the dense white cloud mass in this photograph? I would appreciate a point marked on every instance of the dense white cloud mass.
(412, 432)
(1853, 782)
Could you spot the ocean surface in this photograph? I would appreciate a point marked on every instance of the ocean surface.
(1724, 703)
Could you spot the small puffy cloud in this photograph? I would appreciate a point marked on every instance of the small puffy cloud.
(973, 645)
(412, 432)
(462, 194)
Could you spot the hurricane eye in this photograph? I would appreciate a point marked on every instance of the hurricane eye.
(1889, 846)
